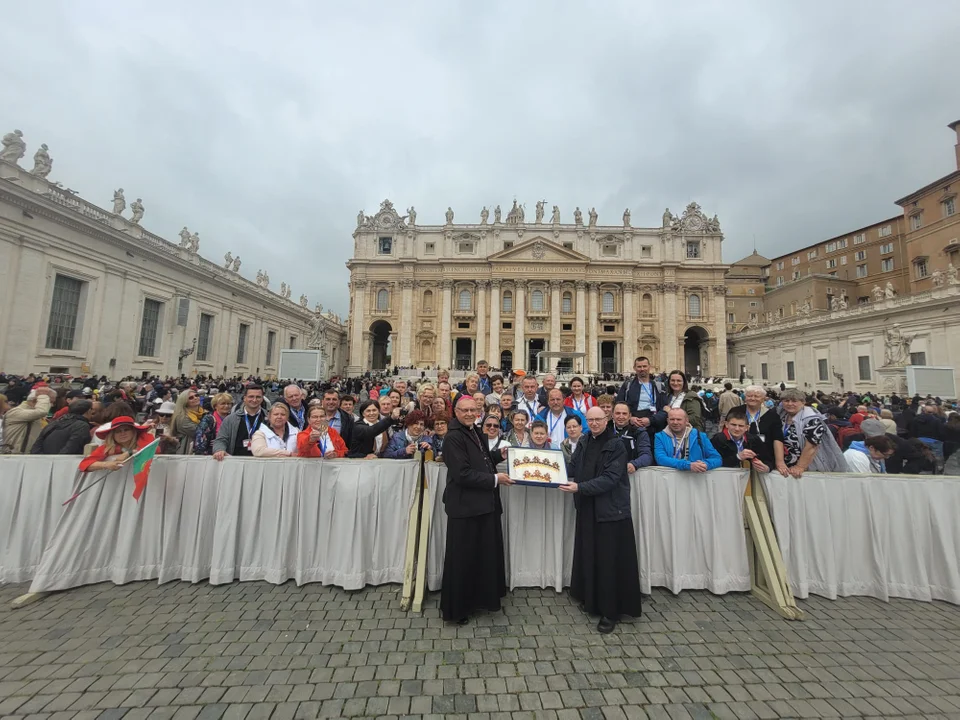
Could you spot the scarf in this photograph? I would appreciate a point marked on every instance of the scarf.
(681, 451)
(217, 421)
(197, 415)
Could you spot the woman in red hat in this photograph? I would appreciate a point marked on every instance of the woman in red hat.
(121, 439)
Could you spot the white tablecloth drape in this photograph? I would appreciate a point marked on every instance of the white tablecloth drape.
(878, 535)
(688, 527)
(32, 489)
(334, 522)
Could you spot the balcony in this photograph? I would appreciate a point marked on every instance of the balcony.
(609, 316)
(463, 314)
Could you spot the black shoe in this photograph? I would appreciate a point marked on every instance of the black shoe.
(463, 621)
(606, 625)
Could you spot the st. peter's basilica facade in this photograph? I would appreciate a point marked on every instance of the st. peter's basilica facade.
(537, 293)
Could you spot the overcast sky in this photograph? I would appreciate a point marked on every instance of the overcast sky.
(265, 127)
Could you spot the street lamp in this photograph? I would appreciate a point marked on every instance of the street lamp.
(186, 352)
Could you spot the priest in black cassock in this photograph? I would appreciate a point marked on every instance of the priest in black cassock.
(606, 575)
(474, 577)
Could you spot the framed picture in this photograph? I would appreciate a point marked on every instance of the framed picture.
(527, 466)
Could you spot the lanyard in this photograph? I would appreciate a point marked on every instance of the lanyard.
(678, 447)
(578, 404)
(531, 408)
(648, 387)
(739, 444)
(754, 419)
(322, 444)
(251, 428)
(553, 425)
(299, 416)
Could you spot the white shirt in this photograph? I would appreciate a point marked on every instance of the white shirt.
(532, 407)
(556, 428)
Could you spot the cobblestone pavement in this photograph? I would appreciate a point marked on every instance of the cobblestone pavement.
(255, 650)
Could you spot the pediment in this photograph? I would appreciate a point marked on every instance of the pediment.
(538, 250)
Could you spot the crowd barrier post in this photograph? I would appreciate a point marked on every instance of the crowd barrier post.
(768, 573)
(415, 564)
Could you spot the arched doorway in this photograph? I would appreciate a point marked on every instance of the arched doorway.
(380, 345)
(506, 361)
(695, 352)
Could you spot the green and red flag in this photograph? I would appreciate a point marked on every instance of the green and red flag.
(141, 467)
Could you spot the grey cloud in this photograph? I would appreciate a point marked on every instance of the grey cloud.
(265, 129)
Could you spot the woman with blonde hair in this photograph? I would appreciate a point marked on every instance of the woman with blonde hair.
(276, 437)
(186, 419)
(121, 439)
(222, 404)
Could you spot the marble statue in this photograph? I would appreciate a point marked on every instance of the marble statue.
(316, 331)
(318, 308)
(236, 264)
(593, 217)
(14, 147)
(513, 217)
(668, 218)
(806, 309)
(227, 260)
(937, 278)
(484, 215)
(449, 215)
(283, 289)
(185, 238)
(896, 347)
(194, 246)
(843, 300)
(834, 304)
(496, 214)
(303, 301)
(951, 274)
(521, 214)
(42, 162)
(713, 224)
(889, 292)
(540, 206)
(119, 203)
(877, 293)
(287, 293)
(412, 215)
(360, 218)
(626, 217)
(263, 280)
(259, 277)
(137, 207)
(577, 216)
(556, 215)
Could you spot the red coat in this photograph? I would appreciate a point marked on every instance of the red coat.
(588, 402)
(100, 453)
(305, 448)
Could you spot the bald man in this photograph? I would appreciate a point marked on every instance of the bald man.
(474, 574)
(606, 574)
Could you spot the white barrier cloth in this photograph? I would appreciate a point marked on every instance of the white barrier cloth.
(333, 521)
(878, 535)
(688, 527)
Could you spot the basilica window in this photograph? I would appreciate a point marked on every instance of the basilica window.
(693, 306)
(428, 300)
(536, 301)
(646, 304)
(383, 300)
(607, 306)
(385, 245)
(507, 302)
(566, 304)
(693, 249)
(463, 301)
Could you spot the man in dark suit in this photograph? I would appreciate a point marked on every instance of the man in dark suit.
(474, 575)
(645, 400)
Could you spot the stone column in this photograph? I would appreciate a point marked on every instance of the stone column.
(494, 350)
(405, 335)
(446, 313)
(358, 360)
(480, 349)
(554, 319)
(669, 319)
(581, 322)
(519, 324)
(593, 318)
(629, 328)
(718, 363)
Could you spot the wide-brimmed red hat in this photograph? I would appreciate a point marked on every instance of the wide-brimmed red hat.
(122, 421)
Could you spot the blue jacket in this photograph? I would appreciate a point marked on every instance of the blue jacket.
(700, 449)
(542, 415)
(397, 447)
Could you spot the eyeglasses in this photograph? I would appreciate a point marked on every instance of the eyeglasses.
(491, 425)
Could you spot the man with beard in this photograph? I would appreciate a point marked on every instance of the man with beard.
(474, 574)
(606, 575)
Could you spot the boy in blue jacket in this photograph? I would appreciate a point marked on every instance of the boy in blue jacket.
(682, 447)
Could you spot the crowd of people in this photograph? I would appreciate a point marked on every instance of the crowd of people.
(605, 431)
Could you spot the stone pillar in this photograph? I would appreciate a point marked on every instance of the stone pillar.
(358, 358)
(718, 363)
(554, 319)
(405, 334)
(480, 349)
(519, 324)
(446, 315)
(581, 323)
(629, 328)
(593, 318)
(494, 350)
(669, 318)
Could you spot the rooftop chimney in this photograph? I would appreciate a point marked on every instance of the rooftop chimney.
(955, 126)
